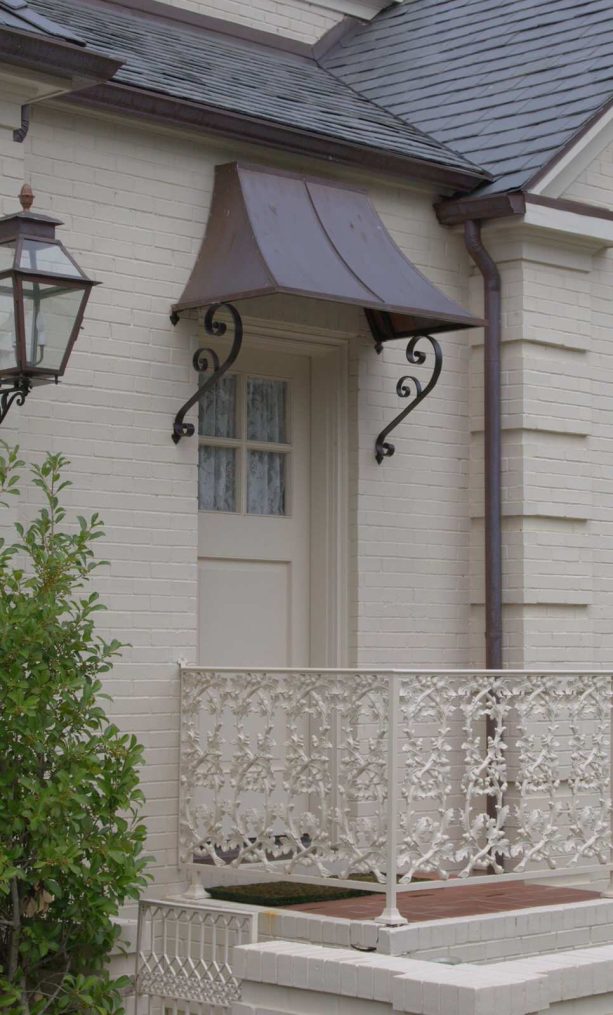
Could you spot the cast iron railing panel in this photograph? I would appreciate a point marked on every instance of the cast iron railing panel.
(338, 773)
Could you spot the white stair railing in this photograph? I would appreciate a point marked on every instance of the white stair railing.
(184, 956)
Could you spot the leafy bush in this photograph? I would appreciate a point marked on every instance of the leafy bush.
(70, 837)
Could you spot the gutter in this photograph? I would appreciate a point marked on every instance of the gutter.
(52, 56)
(80, 67)
(156, 107)
(492, 442)
(456, 211)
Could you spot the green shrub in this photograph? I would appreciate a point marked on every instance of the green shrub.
(70, 837)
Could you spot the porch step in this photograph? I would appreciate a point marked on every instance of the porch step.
(476, 939)
(498, 936)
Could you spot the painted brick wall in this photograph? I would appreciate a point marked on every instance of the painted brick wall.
(134, 207)
(594, 184)
(304, 20)
(412, 529)
(550, 549)
(134, 202)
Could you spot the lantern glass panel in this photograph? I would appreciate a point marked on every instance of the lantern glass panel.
(50, 313)
(8, 345)
(47, 259)
(7, 256)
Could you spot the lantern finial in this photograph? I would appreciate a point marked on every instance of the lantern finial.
(26, 197)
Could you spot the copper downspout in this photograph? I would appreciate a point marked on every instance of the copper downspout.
(493, 472)
(492, 441)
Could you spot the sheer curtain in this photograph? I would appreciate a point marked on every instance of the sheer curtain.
(266, 483)
(216, 478)
(217, 414)
(266, 410)
(217, 466)
(266, 423)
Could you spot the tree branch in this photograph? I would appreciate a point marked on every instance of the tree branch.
(15, 931)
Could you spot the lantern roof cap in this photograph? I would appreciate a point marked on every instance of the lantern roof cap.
(31, 216)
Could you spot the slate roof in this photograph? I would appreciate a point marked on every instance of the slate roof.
(505, 82)
(177, 59)
(18, 15)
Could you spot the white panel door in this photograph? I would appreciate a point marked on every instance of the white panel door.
(254, 496)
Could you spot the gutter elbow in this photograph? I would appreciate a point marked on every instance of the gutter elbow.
(482, 258)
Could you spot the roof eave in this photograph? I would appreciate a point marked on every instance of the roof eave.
(122, 99)
(538, 178)
(514, 203)
(43, 53)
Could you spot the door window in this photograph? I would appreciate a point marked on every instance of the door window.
(245, 450)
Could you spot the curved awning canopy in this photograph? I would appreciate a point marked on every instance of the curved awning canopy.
(271, 232)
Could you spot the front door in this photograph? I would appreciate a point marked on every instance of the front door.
(254, 506)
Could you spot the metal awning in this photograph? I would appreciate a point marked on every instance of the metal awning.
(271, 232)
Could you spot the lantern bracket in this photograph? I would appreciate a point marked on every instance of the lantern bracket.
(13, 390)
(207, 360)
(411, 387)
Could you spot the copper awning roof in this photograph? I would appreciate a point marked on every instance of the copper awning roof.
(272, 232)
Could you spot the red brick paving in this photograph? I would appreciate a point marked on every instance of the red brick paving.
(447, 903)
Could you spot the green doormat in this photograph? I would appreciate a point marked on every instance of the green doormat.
(283, 893)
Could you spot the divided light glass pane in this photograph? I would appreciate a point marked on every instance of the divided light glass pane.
(8, 358)
(216, 479)
(47, 258)
(7, 256)
(217, 412)
(50, 314)
(266, 410)
(266, 483)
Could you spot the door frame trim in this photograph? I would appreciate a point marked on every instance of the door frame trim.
(329, 481)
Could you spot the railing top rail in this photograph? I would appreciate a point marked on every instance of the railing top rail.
(382, 672)
(201, 905)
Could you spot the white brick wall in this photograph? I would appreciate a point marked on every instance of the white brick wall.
(595, 183)
(549, 548)
(134, 202)
(411, 531)
(303, 20)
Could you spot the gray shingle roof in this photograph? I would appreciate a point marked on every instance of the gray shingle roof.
(17, 14)
(505, 82)
(180, 60)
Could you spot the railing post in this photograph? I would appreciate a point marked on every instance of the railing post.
(390, 917)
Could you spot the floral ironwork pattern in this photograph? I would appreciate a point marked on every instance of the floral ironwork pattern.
(290, 771)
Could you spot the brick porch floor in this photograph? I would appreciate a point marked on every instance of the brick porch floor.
(446, 903)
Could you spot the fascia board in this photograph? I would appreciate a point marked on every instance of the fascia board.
(553, 180)
(589, 228)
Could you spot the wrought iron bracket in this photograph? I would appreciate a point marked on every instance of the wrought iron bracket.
(411, 387)
(13, 391)
(207, 360)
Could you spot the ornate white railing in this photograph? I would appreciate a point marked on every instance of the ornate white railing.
(317, 774)
(184, 956)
